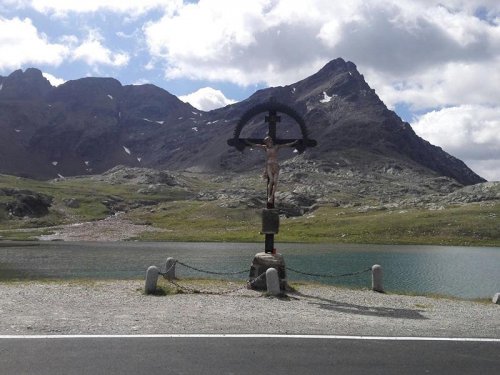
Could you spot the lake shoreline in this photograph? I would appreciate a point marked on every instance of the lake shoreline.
(423, 270)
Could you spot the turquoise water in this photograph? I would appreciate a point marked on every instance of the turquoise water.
(466, 272)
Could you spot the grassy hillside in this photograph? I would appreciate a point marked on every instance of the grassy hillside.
(96, 200)
(474, 224)
(184, 217)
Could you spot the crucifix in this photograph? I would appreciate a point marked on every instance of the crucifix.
(272, 168)
(271, 144)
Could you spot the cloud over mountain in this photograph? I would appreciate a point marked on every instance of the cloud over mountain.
(207, 99)
(469, 131)
(420, 56)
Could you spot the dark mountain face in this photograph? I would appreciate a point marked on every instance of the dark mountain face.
(93, 124)
(30, 85)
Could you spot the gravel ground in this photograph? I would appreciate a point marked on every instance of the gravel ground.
(120, 307)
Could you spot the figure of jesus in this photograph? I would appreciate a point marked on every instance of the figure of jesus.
(272, 167)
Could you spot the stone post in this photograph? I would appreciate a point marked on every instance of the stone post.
(377, 279)
(170, 268)
(151, 279)
(273, 282)
(496, 299)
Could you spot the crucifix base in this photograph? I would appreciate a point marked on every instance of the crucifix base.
(261, 263)
(270, 227)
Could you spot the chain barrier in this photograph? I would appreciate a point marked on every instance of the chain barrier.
(164, 274)
(212, 272)
(330, 276)
(246, 270)
(197, 291)
(248, 284)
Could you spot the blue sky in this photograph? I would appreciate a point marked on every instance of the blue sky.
(436, 63)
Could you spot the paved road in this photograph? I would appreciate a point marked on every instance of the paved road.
(245, 355)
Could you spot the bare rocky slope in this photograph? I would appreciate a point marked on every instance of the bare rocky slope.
(90, 125)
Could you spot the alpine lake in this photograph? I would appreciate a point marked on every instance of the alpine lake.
(462, 272)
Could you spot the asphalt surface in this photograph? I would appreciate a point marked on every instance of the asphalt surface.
(245, 355)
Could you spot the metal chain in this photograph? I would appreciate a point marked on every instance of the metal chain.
(212, 272)
(164, 274)
(248, 284)
(330, 276)
(197, 291)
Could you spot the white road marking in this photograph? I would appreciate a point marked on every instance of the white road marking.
(230, 335)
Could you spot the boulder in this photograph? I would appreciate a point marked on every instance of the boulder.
(30, 205)
(72, 203)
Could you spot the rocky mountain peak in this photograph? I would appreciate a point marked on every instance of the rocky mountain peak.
(151, 101)
(89, 91)
(337, 66)
(90, 125)
(337, 79)
(27, 85)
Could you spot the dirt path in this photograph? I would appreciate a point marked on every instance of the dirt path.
(113, 228)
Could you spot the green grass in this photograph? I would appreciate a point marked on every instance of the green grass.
(199, 221)
(471, 225)
(465, 225)
(88, 192)
(184, 219)
(25, 235)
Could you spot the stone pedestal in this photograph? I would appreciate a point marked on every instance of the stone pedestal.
(261, 263)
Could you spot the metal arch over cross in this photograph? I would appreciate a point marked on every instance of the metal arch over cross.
(270, 216)
(271, 143)
(273, 108)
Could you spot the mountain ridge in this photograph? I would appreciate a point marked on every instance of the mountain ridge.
(92, 124)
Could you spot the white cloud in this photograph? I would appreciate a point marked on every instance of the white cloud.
(141, 81)
(54, 81)
(69, 40)
(94, 53)
(442, 85)
(21, 43)
(238, 41)
(207, 99)
(488, 169)
(470, 132)
(64, 7)
(282, 41)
